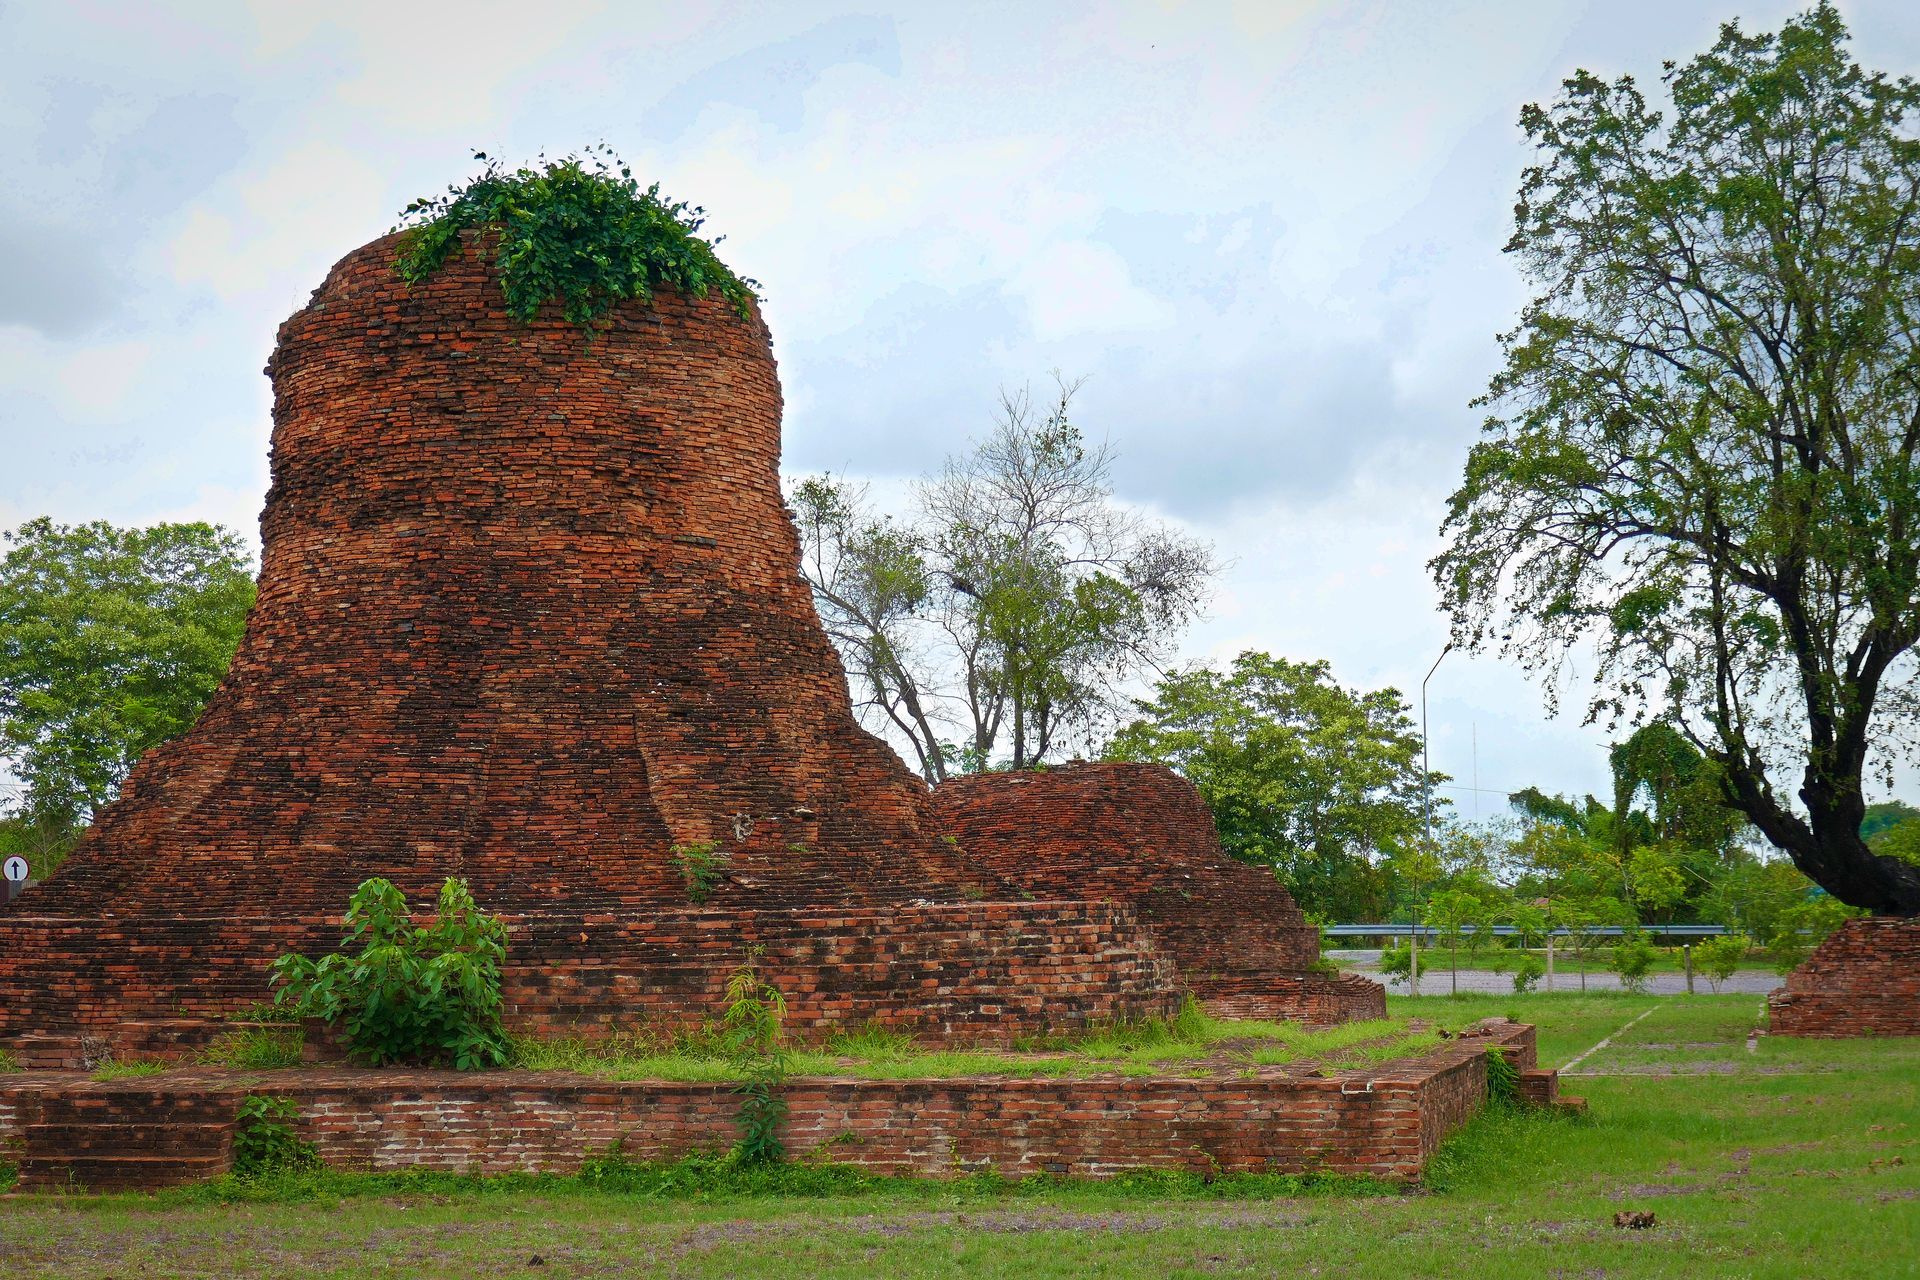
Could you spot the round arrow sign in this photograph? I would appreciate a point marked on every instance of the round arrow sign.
(15, 868)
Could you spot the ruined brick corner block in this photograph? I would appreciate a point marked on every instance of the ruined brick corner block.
(530, 614)
(1862, 981)
(1141, 834)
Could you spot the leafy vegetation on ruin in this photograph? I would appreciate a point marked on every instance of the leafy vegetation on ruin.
(410, 993)
(579, 230)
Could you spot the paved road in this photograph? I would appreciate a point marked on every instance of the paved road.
(1438, 981)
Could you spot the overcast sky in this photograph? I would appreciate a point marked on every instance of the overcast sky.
(1267, 234)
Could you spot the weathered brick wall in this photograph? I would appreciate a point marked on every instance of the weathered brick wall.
(1384, 1122)
(1142, 834)
(529, 613)
(1862, 981)
(980, 972)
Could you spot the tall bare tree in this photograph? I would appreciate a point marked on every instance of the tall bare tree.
(1001, 618)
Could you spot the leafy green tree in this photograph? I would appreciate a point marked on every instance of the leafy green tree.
(1755, 896)
(1459, 915)
(1719, 957)
(1901, 840)
(1003, 618)
(111, 642)
(1885, 816)
(1802, 927)
(1632, 960)
(1314, 779)
(1701, 452)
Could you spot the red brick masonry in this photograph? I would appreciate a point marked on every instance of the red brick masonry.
(973, 972)
(530, 613)
(1384, 1121)
(1141, 834)
(1862, 981)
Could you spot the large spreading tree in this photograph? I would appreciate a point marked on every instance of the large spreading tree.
(111, 642)
(1700, 455)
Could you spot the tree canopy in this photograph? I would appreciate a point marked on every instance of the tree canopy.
(111, 641)
(1316, 780)
(999, 621)
(1700, 454)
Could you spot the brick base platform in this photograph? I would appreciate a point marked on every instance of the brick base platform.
(964, 972)
(1862, 981)
(1384, 1121)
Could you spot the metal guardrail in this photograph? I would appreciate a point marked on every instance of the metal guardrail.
(1427, 931)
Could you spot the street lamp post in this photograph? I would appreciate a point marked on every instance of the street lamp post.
(1426, 771)
(1426, 806)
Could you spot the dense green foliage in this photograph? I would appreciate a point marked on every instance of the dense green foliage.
(412, 994)
(111, 642)
(1717, 958)
(579, 230)
(1319, 781)
(998, 624)
(264, 1140)
(1503, 1079)
(1701, 454)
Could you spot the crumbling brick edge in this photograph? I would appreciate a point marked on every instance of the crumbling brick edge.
(1864, 980)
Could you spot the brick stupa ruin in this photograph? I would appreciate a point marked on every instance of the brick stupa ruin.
(530, 614)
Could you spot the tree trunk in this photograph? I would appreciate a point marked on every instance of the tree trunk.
(1827, 847)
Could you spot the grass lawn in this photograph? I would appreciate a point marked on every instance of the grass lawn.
(1798, 1158)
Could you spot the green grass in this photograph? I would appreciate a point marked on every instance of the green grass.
(1800, 1158)
(8, 1062)
(133, 1070)
(1180, 1045)
(255, 1049)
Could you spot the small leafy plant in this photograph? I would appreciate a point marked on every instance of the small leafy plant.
(1396, 961)
(1503, 1078)
(579, 229)
(1528, 969)
(411, 994)
(1719, 957)
(1632, 960)
(8, 1062)
(752, 1031)
(265, 1142)
(702, 864)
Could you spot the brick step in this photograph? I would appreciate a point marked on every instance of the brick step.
(129, 1138)
(47, 1051)
(142, 1107)
(117, 1172)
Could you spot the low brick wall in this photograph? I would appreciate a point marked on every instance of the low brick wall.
(1318, 999)
(1141, 834)
(981, 972)
(1385, 1121)
(1862, 981)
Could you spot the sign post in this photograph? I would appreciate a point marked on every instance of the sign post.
(13, 877)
